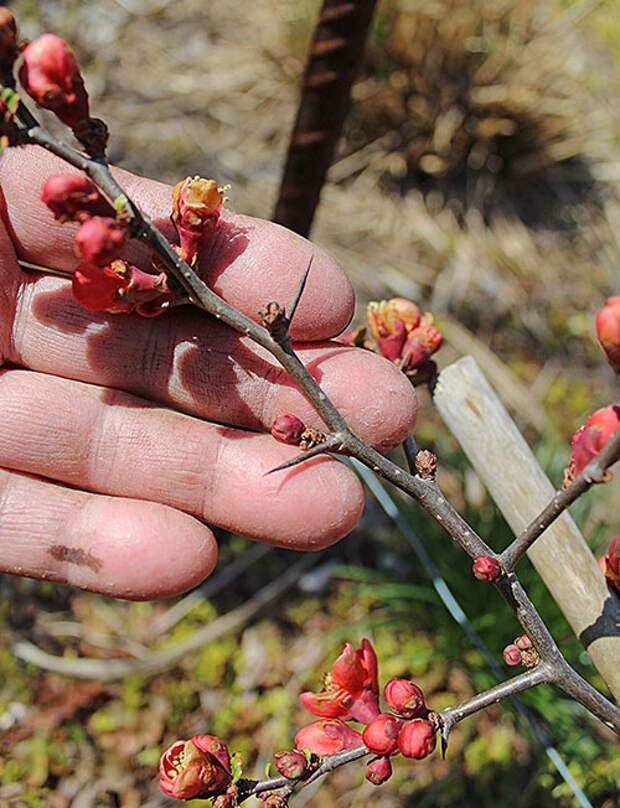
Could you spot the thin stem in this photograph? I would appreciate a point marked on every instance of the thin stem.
(593, 473)
(249, 787)
(524, 681)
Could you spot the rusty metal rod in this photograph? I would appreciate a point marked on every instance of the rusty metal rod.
(332, 66)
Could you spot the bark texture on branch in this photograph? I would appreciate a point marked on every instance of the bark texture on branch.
(332, 66)
(521, 489)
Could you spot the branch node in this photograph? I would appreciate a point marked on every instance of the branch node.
(426, 464)
(273, 318)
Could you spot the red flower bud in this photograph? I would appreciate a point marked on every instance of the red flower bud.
(228, 799)
(287, 428)
(291, 763)
(523, 642)
(100, 240)
(273, 799)
(421, 344)
(608, 330)
(589, 439)
(327, 736)
(74, 197)
(378, 770)
(8, 41)
(381, 735)
(417, 739)
(610, 564)
(196, 206)
(51, 76)
(512, 655)
(405, 698)
(195, 768)
(486, 568)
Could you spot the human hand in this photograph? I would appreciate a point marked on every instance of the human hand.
(110, 436)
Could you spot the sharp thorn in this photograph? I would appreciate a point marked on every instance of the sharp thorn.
(329, 445)
(292, 306)
(58, 273)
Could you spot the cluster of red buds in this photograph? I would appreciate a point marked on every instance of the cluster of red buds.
(103, 281)
(610, 565)
(203, 766)
(590, 438)
(521, 652)
(397, 330)
(350, 692)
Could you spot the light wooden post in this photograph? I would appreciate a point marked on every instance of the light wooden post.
(507, 466)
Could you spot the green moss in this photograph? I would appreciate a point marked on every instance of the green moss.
(213, 662)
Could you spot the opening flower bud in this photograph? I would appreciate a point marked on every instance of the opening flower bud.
(196, 207)
(100, 240)
(381, 735)
(51, 76)
(387, 327)
(405, 698)
(417, 738)
(486, 568)
(195, 768)
(608, 331)
(421, 344)
(379, 770)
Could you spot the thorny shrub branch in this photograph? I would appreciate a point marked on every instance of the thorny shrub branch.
(50, 75)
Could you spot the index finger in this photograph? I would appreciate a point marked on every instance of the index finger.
(251, 262)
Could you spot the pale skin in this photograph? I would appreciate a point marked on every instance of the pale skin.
(111, 436)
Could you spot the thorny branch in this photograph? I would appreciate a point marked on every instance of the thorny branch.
(552, 668)
(594, 472)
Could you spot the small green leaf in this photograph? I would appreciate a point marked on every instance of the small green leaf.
(121, 204)
(307, 754)
(236, 767)
(10, 98)
(268, 770)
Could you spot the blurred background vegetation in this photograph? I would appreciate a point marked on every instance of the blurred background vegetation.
(479, 175)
